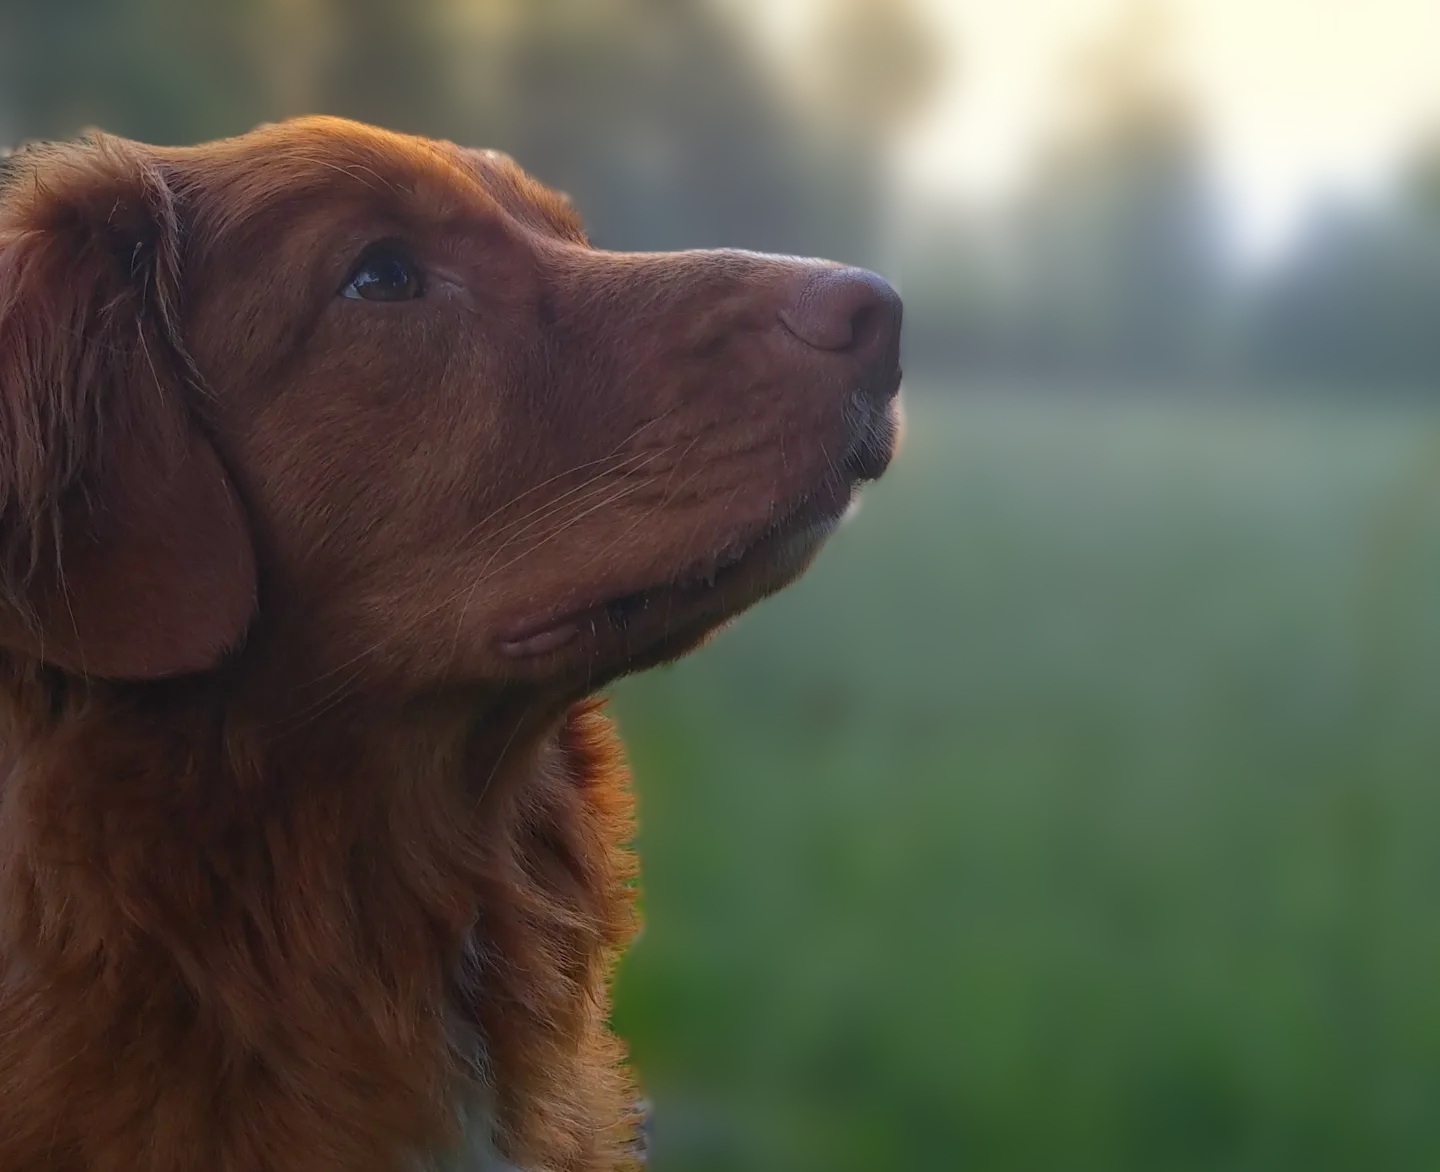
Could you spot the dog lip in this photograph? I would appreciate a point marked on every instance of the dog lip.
(791, 536)
(537, 637)
(876, 431)
(542, 641)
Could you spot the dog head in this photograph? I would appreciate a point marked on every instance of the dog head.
(377, 397)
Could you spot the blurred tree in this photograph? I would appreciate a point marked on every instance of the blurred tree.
(166, 70)
(376, 61)
(1354, 303)
(871, 67)
(1118, 237)
(1422, 180)
(659, 116)
(874, 67)
(960, 293)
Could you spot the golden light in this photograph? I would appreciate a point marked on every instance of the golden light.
(1295, 96)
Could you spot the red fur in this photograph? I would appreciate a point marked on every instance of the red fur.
(305, 851)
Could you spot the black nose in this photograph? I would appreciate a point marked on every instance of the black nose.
(850, 311)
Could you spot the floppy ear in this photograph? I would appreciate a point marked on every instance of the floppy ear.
(124, 552)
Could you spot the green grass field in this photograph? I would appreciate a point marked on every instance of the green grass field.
(1079, 810)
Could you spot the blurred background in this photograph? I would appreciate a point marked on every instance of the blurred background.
(1079, 810)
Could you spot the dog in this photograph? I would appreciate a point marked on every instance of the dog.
(338, 474)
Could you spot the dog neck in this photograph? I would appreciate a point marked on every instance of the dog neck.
(229, 944)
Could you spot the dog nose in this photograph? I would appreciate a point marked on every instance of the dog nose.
(850, 311)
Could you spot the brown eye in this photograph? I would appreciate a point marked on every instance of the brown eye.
(385, 272)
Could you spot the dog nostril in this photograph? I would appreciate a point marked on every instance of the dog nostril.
(864, 326)
(850, 311)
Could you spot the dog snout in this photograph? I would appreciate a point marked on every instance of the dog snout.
(853, 312)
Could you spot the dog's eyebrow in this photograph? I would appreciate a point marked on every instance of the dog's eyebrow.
(504, 180)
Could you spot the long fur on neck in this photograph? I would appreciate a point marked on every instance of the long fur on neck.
(229, 947)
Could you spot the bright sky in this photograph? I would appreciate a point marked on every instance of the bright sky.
(1297, 96)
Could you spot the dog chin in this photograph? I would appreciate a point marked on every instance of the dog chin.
(660, 623)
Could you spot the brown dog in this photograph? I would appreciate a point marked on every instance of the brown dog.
(337, 472)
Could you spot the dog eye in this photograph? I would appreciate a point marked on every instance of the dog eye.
(385, 272)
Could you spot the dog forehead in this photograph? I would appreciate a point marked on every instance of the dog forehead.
(431, 180)
(322, 160)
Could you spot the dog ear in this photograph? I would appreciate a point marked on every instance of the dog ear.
(124, 552)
